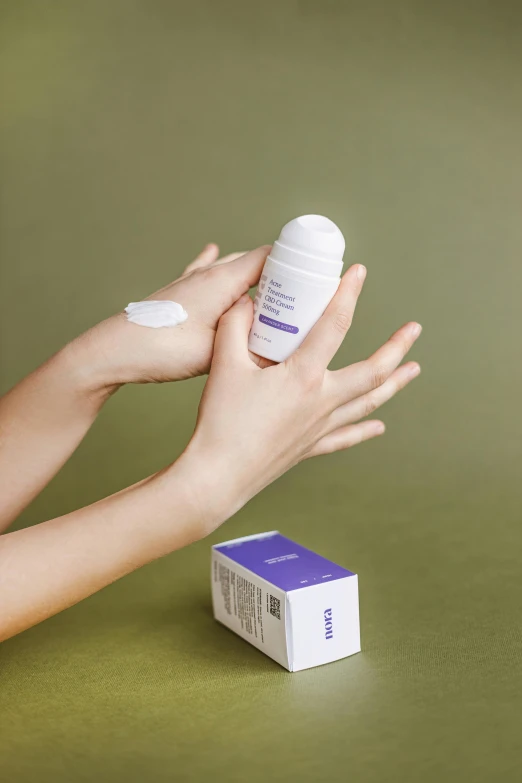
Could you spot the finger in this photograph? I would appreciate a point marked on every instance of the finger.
(208, 255)
(236, 277)
(368, 403)
(360, 378)
(323, 341)
(245, 269)
(231, 344)
(230, 257)
(346, 437)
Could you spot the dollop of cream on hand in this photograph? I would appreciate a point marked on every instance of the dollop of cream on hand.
(156, 313)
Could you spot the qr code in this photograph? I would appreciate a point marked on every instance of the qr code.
(275, 607)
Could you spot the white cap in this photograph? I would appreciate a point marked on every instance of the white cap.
(311, 243)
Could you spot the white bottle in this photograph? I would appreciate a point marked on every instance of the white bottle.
(300, 277)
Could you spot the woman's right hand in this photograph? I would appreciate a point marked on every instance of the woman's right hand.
(254, 424)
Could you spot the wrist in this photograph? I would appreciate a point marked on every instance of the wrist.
(79, 362)
(210, 483)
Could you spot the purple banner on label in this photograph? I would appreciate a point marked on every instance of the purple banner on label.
(278, 324)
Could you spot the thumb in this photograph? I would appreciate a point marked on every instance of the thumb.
(232, 334)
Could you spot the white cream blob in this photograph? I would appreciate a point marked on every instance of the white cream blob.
(156, 313)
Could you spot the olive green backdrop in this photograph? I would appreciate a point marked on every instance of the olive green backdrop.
(133, 133)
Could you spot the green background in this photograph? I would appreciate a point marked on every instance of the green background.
(134, 132)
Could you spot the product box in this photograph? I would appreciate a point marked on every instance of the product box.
(297, 607)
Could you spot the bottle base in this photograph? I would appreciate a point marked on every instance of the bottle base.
(271, 352)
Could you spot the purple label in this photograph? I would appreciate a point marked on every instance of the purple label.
(278, 324)
(282, 562)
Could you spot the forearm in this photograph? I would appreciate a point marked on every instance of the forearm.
(49, 567)
(42, 421)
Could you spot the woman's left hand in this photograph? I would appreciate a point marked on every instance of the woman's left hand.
(116, 351)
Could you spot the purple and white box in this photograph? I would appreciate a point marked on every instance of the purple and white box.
(297, 607)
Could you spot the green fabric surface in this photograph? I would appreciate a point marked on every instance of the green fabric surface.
(131, 134)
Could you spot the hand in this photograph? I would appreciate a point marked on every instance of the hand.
(254, 424)
(116, 351)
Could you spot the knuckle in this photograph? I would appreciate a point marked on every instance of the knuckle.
(378, 375)
(342, 321)
(370, 404)
(310, 379)
(309, 374)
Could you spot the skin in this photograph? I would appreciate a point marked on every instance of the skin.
(45, 417)
(51, 566)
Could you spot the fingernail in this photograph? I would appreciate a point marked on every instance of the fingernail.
(244, 299)
(416, 329)
(361, 272)
(379, 428)
(415, 370)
